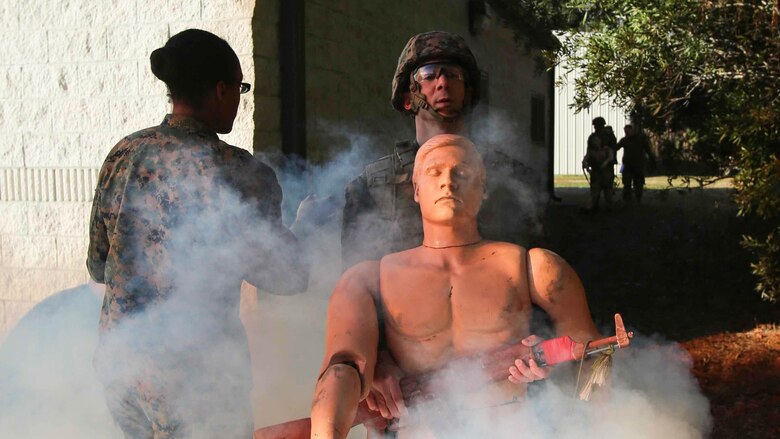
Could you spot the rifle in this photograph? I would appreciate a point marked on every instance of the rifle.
(495, 365)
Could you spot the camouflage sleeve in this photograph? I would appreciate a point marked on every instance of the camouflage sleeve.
(358, 207)
(257, 183)
(98, 240)
(281, 266)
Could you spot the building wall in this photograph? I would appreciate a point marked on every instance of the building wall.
(74, 79)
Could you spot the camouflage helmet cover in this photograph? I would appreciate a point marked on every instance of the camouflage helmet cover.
(434, 46)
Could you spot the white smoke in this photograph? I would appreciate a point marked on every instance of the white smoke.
(651, 394)
(515, 180)
(287, 334)
(191, 346)
(48, 386)
(211, 248)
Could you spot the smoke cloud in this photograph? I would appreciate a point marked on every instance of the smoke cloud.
(48, 385)
(652, 392)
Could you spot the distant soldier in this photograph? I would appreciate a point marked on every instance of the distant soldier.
(598, 162)
(636, 152)
(171, 242)
(437, 81)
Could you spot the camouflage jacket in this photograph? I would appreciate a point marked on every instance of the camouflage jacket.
(176, 210)
(381, 217)
(380, 214)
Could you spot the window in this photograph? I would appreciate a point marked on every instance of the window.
(537, 119)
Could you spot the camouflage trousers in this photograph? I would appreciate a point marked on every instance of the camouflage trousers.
(143, 412)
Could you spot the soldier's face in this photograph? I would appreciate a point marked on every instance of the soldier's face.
(449, 186)
(445, 92)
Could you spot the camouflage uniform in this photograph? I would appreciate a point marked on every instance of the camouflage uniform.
(382, 199)
(380, 215)
(169, 328)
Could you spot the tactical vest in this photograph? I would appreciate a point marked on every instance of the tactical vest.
(389, 182)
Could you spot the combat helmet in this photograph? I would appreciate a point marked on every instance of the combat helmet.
(434, 46)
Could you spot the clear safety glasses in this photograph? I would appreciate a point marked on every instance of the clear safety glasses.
(432, 72)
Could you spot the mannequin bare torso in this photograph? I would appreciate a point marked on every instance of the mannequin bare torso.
(444, 303)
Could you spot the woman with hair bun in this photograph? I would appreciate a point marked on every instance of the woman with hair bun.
(203, 76)
(179, 219)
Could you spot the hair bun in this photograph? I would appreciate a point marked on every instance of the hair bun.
(161, 63)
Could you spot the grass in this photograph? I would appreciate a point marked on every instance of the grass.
(655, 182)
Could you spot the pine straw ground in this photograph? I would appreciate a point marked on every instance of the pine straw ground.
(673, 266)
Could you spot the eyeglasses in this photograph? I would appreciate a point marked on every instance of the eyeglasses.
(431, 72)
(245, 87)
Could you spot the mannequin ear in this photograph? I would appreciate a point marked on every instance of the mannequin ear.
(416, 193)
(484, 192)
(407, 101)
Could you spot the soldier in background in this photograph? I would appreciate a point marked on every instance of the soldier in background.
(636, 152)
(598, 162)
(437, 82)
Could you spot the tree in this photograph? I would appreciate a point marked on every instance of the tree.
(704, 73)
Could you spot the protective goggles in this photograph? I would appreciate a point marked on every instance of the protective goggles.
(431, 72)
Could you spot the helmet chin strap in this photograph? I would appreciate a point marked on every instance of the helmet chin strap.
(419, 103)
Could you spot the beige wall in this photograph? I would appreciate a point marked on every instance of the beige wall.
(74, 79)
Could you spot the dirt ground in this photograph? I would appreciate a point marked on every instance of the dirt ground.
(673, 266)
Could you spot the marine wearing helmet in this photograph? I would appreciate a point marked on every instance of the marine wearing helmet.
(426, 55)
(380, 215)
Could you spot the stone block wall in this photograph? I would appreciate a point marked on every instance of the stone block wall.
(74, 79)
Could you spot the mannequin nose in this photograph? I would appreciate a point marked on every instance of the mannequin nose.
(448, 181)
